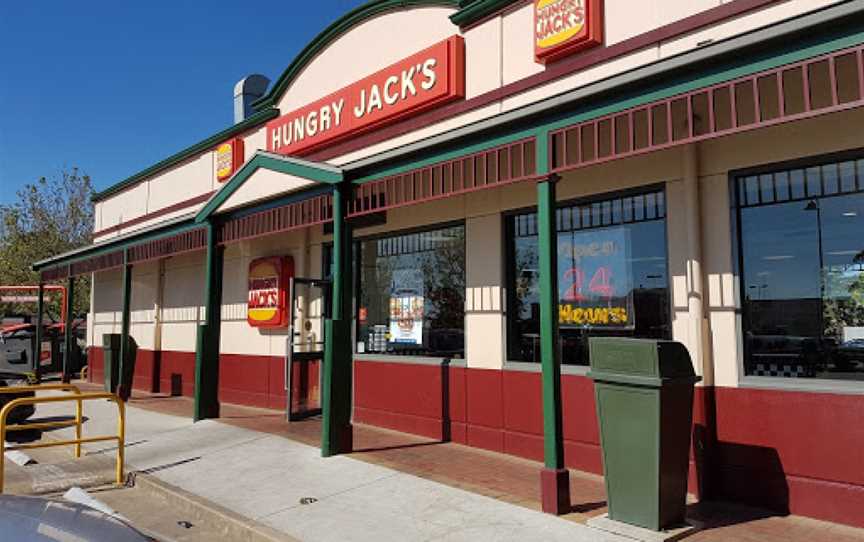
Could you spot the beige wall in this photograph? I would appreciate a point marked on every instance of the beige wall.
(484, 293)
(261, 185)
(183, 300)
(106, 305)
(190, 179)
(365, 49)
(717, 328)
(506, 53)
(498, 52)
(238, 337)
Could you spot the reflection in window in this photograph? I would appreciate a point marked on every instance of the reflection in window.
(612, 277)
(803, 275)
(412, 294)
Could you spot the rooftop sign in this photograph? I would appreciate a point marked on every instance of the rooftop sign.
(562, 27)
(422, 81)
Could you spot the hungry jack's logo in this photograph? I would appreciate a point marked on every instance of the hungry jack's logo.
(229, 157)
(562, 27)
(268, 291)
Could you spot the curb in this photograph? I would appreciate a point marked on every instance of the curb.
(232, 525)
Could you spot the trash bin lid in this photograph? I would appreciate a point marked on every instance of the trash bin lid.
(644, 362)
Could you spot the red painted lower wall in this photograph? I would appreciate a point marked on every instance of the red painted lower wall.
(797, 452)
(154, 371)
(496, 410)
(252, 380)
(246, 380)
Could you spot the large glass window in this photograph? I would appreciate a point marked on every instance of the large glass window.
(412, 294)
(612, 278)
(802, 258)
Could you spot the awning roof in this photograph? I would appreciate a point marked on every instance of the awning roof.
(250, 184)
(115, 243)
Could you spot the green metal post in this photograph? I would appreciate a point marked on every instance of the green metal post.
(125, 358)
(336, 430)
(207, 347)
(555, 485)
(37, 351)
(68, 338)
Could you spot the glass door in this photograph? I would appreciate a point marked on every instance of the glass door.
(309, 306)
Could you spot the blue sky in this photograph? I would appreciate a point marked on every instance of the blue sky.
(114, 86)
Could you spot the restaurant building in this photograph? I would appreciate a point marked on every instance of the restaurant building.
(421, 221)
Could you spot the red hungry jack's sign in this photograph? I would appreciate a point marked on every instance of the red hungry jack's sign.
(423, 80)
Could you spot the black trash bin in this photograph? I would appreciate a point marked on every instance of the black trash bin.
(644, 395)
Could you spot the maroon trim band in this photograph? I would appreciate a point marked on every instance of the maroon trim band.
(552, 72)
(156, 214)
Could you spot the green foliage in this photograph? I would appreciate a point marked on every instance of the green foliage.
(48, 217)
(844, 305)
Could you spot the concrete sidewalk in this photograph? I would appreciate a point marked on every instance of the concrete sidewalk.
(268, 478)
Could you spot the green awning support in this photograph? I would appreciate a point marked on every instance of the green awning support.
(125, 354)
(209, 333)
(553, 442)
(554, 477)
(336, 396)
(68, 337)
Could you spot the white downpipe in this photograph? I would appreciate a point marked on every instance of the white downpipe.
(697, 326)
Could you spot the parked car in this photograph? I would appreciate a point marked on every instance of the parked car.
(22, 412)
(18, 348)
(36, 519)
(849, 355)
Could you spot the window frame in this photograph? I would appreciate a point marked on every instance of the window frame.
(509, 257)
(356, 256)
(851, 387)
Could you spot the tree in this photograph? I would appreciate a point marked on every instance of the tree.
(48, 217)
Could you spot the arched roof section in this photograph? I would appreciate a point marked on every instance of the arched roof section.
(336, 30)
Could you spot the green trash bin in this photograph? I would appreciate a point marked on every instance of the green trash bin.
(644, 395)
(111, 359)
(127, 370)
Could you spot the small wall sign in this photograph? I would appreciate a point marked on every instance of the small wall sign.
(563, 27)
(229, 157)
(268, 291)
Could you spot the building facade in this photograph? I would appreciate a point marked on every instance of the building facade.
(686, 170)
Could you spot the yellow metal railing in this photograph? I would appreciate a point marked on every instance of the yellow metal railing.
(78, 398)
(55, 424)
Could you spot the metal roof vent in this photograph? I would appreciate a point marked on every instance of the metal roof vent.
(246, 91)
